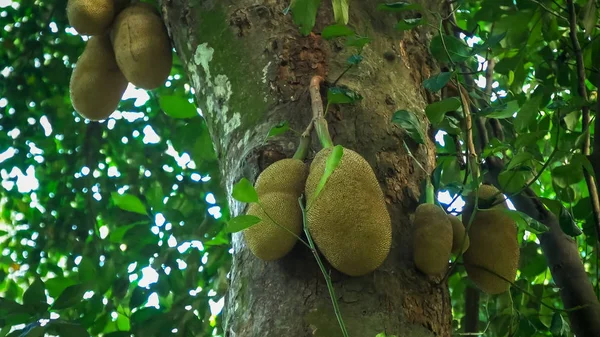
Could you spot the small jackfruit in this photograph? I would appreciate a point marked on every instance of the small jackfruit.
(286, 175)
(97, 84)
(458, 235)
(494, 247)
(91, 17)
(348, 220)
(432, 239)
(266, 239)
(142, 46)
(278, 187)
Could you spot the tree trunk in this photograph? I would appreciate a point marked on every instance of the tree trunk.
(250, 69)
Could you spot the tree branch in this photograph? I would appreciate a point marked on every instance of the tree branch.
(471, 309)
(562, 255)
(589, 179)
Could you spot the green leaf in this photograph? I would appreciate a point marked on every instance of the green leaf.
(453, 46)
(398, 6)
(87, 268)
(526, 222)
(35, 295)
(437, 82)
(278, 129)
(590, 15)
(559, 327)
(144, 314)
(527, 115)
(408, 121)
(57, 285)
(241, 222)
(128, 202)
(408, 24)
(340, 11)
(357, 41)
(520, 159)
(70, 329)
(566, 175)
(513, 181)
(138, 297)
(568, 224)
(579, 159)
(504, 111)
(33, 330)
(333, 160)
(243, 191)
(436, 111)
(177, 106)
(337, 30)
(304, 13)
(355, 59)
(70, 297)
(337, 95)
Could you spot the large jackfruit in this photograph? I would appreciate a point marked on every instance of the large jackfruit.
(91, 17)
(432, 239)
(278, 187)
(97, 84)
(493, 242)
(458, 235)
(348, 220)
(142, 46)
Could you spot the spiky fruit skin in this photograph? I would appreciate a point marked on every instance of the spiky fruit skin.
(267, 240)
(286, 175)
(142, 46)
(348, 220)
(432, 239)
(493, 243)
(278, 187)
(458, 235)
(97, 84)
(91, 17)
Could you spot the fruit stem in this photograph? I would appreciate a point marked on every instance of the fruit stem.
(429, 192)
(313, 249)
(303, 147)
(323, 133)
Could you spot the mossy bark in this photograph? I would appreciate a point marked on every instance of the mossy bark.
(251, 68)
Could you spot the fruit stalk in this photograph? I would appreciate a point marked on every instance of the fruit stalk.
(319, 121)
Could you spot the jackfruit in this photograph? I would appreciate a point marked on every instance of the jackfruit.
(97, 84)
(348, 220)
(432, 239)
(267, 240)
(286, 175)
(142, 46)
(494, 247)
(91, 17)
(458, 235)
(278, 187)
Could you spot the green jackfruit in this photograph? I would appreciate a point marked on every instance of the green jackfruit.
(493, 243)
(278, 187)
(97, 84)
(286, 175)
(91, 17)
(142, 46)
(432, 239)
(458, 235)
(348, 220)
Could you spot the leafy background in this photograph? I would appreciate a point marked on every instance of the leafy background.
(117, 228)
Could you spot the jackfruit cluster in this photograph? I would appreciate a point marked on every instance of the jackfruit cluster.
(348, 219)
(493, 254)
(278, 187)
(129, 43)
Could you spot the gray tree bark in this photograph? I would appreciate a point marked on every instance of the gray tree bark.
(251, 69)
